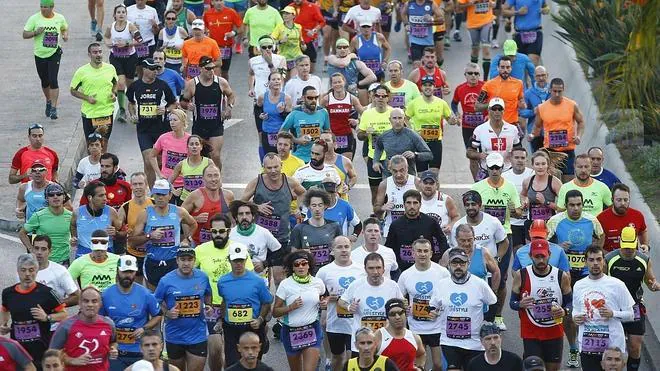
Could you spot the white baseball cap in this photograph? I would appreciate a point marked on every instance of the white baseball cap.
(142, 365)
(497, 101)
(127, 263)
(198, 24)
(494, 159)
(237, 251)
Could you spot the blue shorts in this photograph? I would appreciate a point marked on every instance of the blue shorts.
(303, 331)
(238, 6)
(198, 9)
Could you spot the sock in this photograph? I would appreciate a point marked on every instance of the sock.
(573, 347)
(474, 59)
(496, 27)
(458, 20)
(486, 66)
(633, 364)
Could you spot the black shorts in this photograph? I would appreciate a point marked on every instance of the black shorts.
(348, 145)
(432, 340)
(548, 350)
(146, 140)
(531, 48)
(439, 36)
(90, 126)
(436, 150)
(231, 336)
(518, 235)
(330, 20)
(386, 21)
(310, 51)
(48, 69)
(276, 258)
(226, 63)
(208, 131)
(258, 121)
(125, 65)
(339, 343)
(458, 358)
(178, 351)
(590, 361)
(374, 177)
(417, 51)
(636, 327)
(269, 142)
(467, 136)
(154, 270)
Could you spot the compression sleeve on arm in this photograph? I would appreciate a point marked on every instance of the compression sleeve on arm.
(514, 301)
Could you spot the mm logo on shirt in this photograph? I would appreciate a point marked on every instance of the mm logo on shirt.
(495, 202)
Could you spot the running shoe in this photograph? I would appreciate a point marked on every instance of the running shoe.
(457, 36)
(92, 27)
(499, 322)
(397, 26)
(121, 117)
(494, 44)
(53, 113)
(447, 42)
(239, 48)
(49, 106)
(99, 37)
(573, 359)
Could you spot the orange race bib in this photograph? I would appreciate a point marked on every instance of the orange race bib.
(420, 310)
(429, 132)
(313, 130)
(125, 335)
(101, 121)
(189, 306)
(373, 322)
(343, 313)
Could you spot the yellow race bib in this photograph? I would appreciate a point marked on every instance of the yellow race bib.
(148, 110)
(239, 313)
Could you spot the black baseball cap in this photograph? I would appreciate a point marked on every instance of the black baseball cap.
(185, 251)
(428, 79)
(149, 63)
(533, 363)
(458, 253)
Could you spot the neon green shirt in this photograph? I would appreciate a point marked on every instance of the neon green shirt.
(99, 275)
(57, 227)
(98, 83)
(426, 118)
(291, 48)
(497, 201)
(595, 198)
(215, 263)
(261, 22)
(404, 94)
(47, 42)
(380, 122)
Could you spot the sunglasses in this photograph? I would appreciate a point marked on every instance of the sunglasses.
(267, 47)
(472, 73)
(381, 95)
(219, 231)
(341, 47)
(302, 263)
(39, 170)
(94, 136)
(209, 68)
(366, 26)
(497, 109)
(153, 68)
(397, 313)
(170, 19)
(102, 241)
(56, 194)
(494, 167)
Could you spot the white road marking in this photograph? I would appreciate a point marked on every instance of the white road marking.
(358, 186)
(10, 238)
(231, 122)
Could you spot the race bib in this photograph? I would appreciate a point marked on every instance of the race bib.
(542, 311)
(405, 253)
(208, 111)
(239, 313)
(173, 158)
(302, 337)
(637, 312)
(192, 182)
(205, 235)
(342, 141)
(576, 261)
(168, 236)
(438, 92)
(313, 130)
(225, 53)
(142, 50)
(373, 322)
(429, 132)
(321, 254)
(396, 214)
(398, 100)
(212, 315)
(125, 335)
(594, 340)
(50, 40)
(27, 332)
(272, 222)
(343, 313)
(420, 310)
(121, 51)
(538, 211)
(384, 18)
(481, 8)
(189, 306)
(528, 37)
(148, 110)
(192, 71)
(419, 31)
(459, 327)
(558, 138)
(472, 120)
(373, 64)
(272, 139)
(101, 121)
(290, 64)
(498, 212)
(173, 53)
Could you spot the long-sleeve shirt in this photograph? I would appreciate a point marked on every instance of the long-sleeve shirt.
(404, 231)
(521, 64)
(395, 143)
(533, 97)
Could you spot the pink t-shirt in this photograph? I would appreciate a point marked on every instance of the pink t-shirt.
(172, 150)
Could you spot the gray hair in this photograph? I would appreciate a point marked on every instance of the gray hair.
(541, 69)
(464, 228)
(302, 58)
(624, 355)
(398, 159)
(363, 330)
(472, 65)
(26, 260)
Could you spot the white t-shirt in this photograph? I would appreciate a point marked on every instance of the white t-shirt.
(337, 279)
(88, 170)
(462, 311)
(419, 286)
(258, 243)
(262, 71)
(517, 180)
(307, 174)
(487, 233)
(371, 303)
(487, 141)
(356, 15)
(295, 86)
(58, 278)
(589, 295)
(310, 293)
(358, 254)
(141, 18)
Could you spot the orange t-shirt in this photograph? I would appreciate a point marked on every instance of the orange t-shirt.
(510, 90)
(193, 50)
(220, 22)
(478, 14)
(558, 124)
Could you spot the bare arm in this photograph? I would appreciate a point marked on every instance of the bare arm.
(249, 191)
(189, 221)
(138, 238)
(380, 199)
(420, 356)
(153, 161)
(385, 45)
(494, 269)
(579, 121)
(369, 75)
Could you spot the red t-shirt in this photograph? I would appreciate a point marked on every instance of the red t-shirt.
(309, 16)
(12, 355)
(25, 156)
(220, 22)
(116, 194)
(613, 224)
(467, 96)
(77, 337)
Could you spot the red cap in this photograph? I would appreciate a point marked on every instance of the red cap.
(538, 230)
(38, 163)
(539, 247)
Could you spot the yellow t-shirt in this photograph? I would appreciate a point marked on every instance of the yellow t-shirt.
(380, 122)
(215, 263)
(426, 118)
(291, 164)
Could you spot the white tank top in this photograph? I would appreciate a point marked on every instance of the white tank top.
(120, 38)
(436, 208)
(544, 290)
(386, 339)
(173, 47)
(395, 195)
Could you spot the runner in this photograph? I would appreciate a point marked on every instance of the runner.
(426, 114)
(359, 13)
(225, 27)
(148, 100)
(621, 215)
(171, 147)
(195, 6)
(53, 274)
(46, 28)
(301, 332)
(151, 347)
(31, 196)
(211, 99)
(96, 13)
(312, 174)
(337, 277)
(340, 211)
(419, 18)
(117, 190)
(541, 293)
(367, 358)
(596, 195)
(522, 67)
(95, 340)
(330, 32)
(98, 267)
(539, 192)
(601, 304)
(246, 304)
(357, 75)
(507, 88)
(343, 109)
(538, 231)
(128, 214)
(535, 95)
(13, 356)
(429, 67)
(343, 164)
(495, 358)
(147, 21)
(288, 36)
(171, 77)
(185, 296)
(249, 347)
(436, 204)
(96, 85)
(133, 309)
(389, 203)
(372, 239)
(289, 162)
(171, 38)
(397, 342)
(35, 151)
(184, 16)
(95, 214)
(527, 23)
(294, 86)
(373, 49)
(614, 359)
(274, 105)
(207, 201)
(402, 91)
(460, 307)
(53, 221)
(598, 172)
(308, 15)
(417, 284)
(159, 229)
(197, 47)
(89, 167)
(32, 307)
(259, 21)
(493, 136)
(307, 123)
(517, 175)
(479, 20)
(190, 168)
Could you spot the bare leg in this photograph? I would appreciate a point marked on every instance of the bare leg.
(91, 8)
(216, 351)
(310, 358)
(194, 363)
(216, 150)
(151, 175)
(295, 362)
(99, 14)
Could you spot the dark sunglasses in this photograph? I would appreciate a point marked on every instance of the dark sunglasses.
(55, 194)
(341, 47)
(170, 19)
(497, 109)
(396, 313)
(314, 97)
(219, 231)
(366, 26)
(209, 68)
(299, 264)
(472, 73)
(100, 240)
(94, 136)
(39, 170)
(267, 47)
(381, 95)
(494, 167)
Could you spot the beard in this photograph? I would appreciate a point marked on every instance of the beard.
(220, 242)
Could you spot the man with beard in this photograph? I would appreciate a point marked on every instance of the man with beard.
(397, 342)
(389, 195)
(151, 346)
(488, 231)
(133, 309)
(505, 87)
(437, 204)
(429, 67)
(307, 122)
(495, 358)
(542, 296)
(621, 215)
(312, 174)
(207, 201)
(213, 259)
(117, 191)
(460, 307)
(597, 196)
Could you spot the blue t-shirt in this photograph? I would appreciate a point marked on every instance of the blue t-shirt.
(607, 177)
(342, 213)
(579, 233)
(521, 64)
(243, 295)
(188, 294)
(129, 312)
(173, 80)
(557, 259)
(302, 123)
(530, 21)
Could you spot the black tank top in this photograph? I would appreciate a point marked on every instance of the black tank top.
(537, 210)
(630, 271)
(208, 103)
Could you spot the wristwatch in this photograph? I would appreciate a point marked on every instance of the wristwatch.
(498, 259)
(148, 235)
